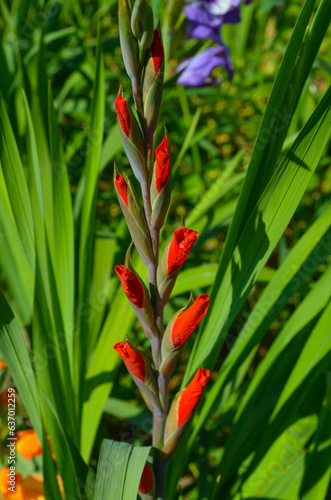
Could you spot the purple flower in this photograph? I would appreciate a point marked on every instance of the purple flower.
(197, 69)
(206, 17)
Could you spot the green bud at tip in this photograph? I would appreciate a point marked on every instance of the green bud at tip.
(142, 23)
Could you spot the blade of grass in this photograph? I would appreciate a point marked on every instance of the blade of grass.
(103, 365)
(63, 251)
(16, 355)
(16, 185)
(87, 222)
(257, 407)
(119, 470)
(261, 233)
(187, 140)
(317, 472)
(291, 77)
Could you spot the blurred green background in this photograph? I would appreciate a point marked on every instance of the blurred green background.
(212, 132)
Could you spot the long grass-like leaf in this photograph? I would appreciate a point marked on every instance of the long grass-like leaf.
(14, 350)
(293, 72)
(317, 472)
(119, 470)
(302, 336)
(262, 232)
(87, 221)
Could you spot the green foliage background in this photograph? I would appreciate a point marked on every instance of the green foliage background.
(262, 430)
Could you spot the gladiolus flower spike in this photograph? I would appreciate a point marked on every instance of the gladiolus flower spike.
(145, 216)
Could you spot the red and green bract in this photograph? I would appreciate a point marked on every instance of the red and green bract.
(189, 320)
(123, 113)
(133, 360)
(131, 285)
(180, 247)
(162, 164)
(190, 397)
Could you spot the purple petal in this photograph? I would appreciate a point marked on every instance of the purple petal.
(201, 31)
(202, 16)
(197, 72)
(232, 17)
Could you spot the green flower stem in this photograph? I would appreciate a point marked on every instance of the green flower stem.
(160, 463)
(156, 352)
(137, 97)
(159, 417)
(147, 202)
(163, 382)
(160, 471)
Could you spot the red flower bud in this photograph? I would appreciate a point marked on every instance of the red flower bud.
(131, 285)
(189, 320)
(134, 216)
(162, 164)
(157, 52)
(123, 114)
(172, 258)
(122, 188)
(147, 480)
(190, 397)
(181, 411)
(139, 366)
(133, 360)
(180, 247)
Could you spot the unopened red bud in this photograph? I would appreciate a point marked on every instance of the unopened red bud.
(147, 480)
(123, 114)
(153, 82)
(122, 188)
(180, 247)
(179, 328)
(133, 360)
(190, 397)
(157, 52)
(161, 184)
(132, 138)
(172, 258)
(134, 216)
(182, 410)
(140, 368)
(132, 287)
(137, 293)
(186, 322)
(162, 164)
